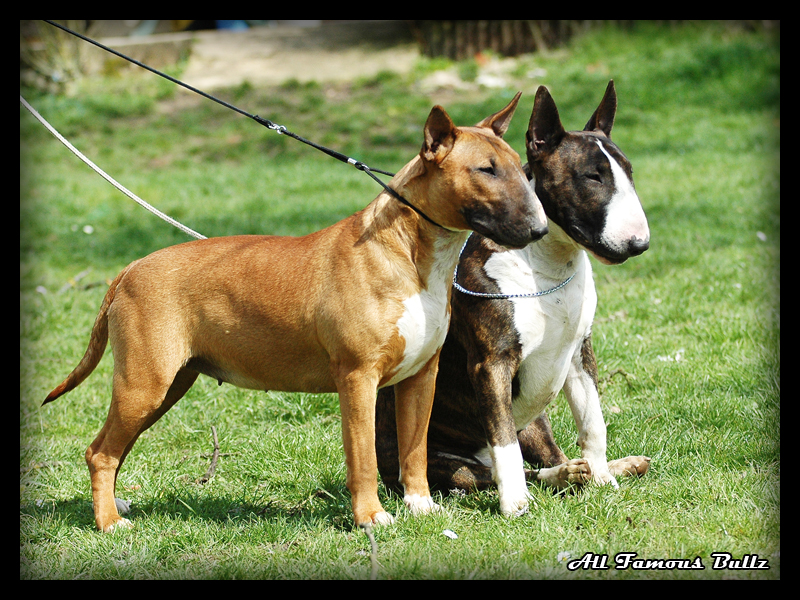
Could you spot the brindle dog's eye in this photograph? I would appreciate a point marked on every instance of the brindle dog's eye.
(594, 177)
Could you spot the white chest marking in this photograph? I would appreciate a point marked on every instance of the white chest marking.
(426, 318)
(551, 328)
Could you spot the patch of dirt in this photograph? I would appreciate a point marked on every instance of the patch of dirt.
(330, 52)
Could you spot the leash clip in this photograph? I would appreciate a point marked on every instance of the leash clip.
(268, 124)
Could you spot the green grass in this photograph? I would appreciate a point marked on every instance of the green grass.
(694, 322)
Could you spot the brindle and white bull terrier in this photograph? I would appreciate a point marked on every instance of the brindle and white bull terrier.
(521, 326)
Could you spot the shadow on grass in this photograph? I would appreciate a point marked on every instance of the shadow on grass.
(330, 506)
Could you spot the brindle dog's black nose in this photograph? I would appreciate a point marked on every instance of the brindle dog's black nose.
(637, 246)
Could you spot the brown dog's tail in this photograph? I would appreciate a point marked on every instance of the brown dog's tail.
(97, 346)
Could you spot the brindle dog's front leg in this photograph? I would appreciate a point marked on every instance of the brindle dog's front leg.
(580, 388)
(553, 468)
(581, 392)
(492, 382)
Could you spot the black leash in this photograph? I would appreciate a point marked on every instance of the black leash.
(280, 129)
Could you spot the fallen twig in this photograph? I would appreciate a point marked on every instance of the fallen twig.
(214, 458)
(604, 381)
(373, 557)
(73, 281)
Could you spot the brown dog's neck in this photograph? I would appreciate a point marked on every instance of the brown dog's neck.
(412, 182)
(415, 245)
(385, 211)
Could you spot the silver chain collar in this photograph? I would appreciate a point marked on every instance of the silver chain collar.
(464, 290)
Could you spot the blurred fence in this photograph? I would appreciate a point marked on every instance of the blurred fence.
(459, 40)
(464, 39)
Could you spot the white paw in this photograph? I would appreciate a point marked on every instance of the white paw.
(605, 478)
(514, 497)
(514, 507)
(509, 473)
(420, 505)
(121, 524)
(383, 518)
(599, 466)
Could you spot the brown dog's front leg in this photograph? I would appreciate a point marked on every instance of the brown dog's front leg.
(413, 403)
(357, 402)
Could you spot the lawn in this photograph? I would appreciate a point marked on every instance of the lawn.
(687, 335)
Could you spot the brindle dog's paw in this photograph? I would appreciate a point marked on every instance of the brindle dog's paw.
(630, 465)
(573, 472)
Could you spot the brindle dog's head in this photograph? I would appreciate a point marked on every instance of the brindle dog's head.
(585, 182)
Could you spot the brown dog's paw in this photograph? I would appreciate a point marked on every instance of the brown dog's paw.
(420, 505)
(383, 518)
(630, 465)
(120, 523)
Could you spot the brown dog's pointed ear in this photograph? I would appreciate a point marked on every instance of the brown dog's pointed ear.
(440, 135)
(603, 118)
(545, 130)
(499, 121)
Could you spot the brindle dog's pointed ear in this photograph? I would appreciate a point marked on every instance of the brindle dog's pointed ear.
(603, 118)
(499, 121)
(545, 130)
(440, 135)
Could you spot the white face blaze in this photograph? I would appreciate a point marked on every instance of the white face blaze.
(625, 218)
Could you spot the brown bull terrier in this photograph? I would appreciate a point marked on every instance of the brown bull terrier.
(521, 326)
(362, 304)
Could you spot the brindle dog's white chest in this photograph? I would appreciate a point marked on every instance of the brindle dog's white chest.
(550, 328)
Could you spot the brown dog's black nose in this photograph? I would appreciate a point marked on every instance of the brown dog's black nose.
(529, 234)
(538, 232)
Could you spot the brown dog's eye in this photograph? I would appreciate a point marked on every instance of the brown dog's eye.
(487, 170)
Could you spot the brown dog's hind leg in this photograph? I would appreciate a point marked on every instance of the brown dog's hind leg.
(132, 412)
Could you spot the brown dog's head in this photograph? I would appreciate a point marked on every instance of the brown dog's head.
(476, 182)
